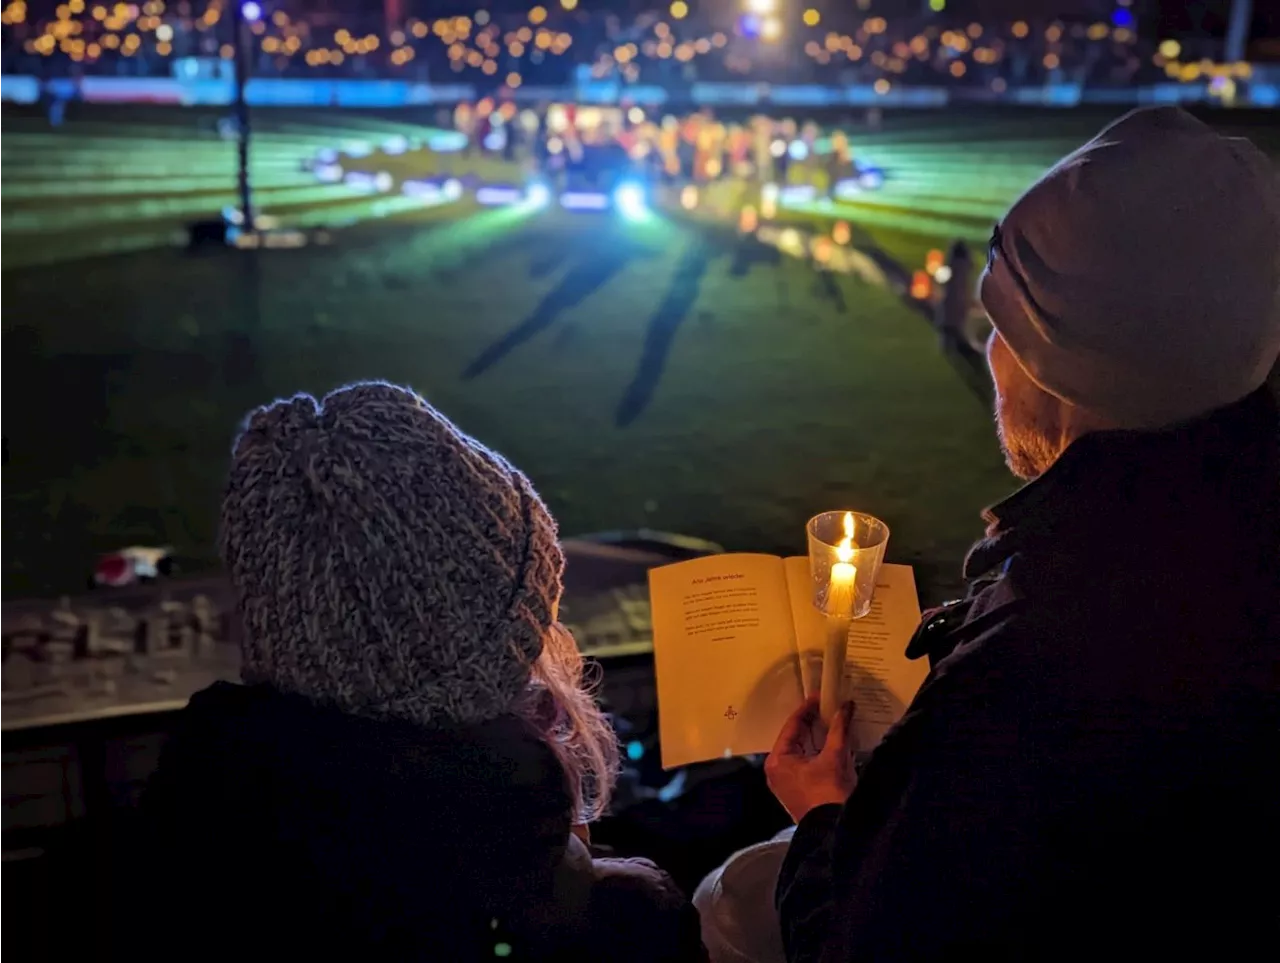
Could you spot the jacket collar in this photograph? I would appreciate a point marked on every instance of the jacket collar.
(1111, 485)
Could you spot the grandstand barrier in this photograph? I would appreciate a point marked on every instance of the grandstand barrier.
(17, 89)
(1262, 92)
(259, 91)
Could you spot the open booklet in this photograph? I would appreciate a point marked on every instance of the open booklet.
(738, 646)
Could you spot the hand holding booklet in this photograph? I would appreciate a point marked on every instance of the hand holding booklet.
(738, 646)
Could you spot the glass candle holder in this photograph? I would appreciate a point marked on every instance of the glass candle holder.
(838, 540)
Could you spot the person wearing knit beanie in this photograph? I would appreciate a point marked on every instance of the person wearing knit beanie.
(1080, 772)
(408, 767)
(385, 563)
(1139, 278)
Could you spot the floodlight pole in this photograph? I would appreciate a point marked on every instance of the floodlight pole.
(242, 117)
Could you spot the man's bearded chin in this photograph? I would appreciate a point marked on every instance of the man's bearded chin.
(1026, 451)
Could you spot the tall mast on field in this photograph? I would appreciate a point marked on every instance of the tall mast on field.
(242, 114)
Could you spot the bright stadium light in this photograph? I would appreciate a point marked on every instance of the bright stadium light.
(538, 194)
(251, 11)
(770, 28)
(629, 199)
(761, 6)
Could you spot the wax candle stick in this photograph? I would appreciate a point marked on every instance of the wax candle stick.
(841, 598)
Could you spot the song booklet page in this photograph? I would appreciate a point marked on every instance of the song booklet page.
(738, 645)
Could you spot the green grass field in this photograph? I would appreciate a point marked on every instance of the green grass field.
(662, 375)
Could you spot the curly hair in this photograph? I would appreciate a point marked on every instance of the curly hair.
(561, 705)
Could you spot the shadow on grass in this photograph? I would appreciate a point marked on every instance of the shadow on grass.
(661, 331)
(598, 264)
(709, 245)
(547, 262)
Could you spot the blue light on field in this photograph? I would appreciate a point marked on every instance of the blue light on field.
(538, 195)
(630, 202)
(871, 180)
(328, 173)
(749, 24)
(492, 196)
(452, 189)
(635, 750)
(583, 201)
(252, 11)
(1122, 17)
(798, 150)
(396, 144)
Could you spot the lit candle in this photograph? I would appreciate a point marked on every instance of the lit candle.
(841, 591)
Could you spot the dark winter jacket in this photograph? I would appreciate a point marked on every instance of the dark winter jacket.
(278, 830)
(1089, 771)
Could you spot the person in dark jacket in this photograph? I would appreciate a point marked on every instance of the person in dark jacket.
(408, 770)
(951, 313)
(1089, 771)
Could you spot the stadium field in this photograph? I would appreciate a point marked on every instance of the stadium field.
(665, 374)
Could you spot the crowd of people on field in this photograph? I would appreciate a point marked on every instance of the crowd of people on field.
(692, 148)
(413, 761)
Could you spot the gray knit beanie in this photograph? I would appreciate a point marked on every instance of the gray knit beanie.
(1139, 278)
(385, 563)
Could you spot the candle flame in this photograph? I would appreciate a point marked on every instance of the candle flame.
(844, 551)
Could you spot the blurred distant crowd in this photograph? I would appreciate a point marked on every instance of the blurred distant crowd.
(565, 42)
(695, 148)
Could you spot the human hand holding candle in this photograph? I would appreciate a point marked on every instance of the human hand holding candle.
(840, 605)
